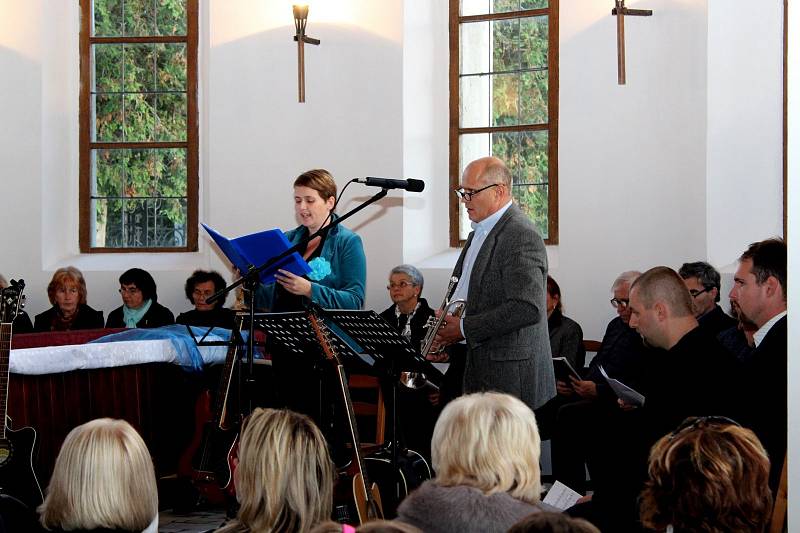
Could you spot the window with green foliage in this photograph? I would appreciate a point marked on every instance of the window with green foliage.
(504, 102)
(138, 125)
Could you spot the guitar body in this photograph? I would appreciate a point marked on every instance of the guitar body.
(209, 460)
(17, 477)
(363, 510)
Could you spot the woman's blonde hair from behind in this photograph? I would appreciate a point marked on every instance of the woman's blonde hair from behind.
(284, 480)
(103, 478)
(489, 441)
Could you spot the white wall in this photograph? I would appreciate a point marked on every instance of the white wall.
(255, 136)
(745, 110)
(793, 167)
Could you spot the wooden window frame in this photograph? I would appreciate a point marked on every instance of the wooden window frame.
(552, 102)
(86, 145)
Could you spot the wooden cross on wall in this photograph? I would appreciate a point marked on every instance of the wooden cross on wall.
(620, 11)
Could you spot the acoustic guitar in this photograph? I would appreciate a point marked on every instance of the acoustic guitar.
(17, 476)
(209, 459)
(366, 496)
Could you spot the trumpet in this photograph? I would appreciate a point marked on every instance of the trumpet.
(415, 380)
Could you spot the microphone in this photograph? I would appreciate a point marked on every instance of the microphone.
(410, 185)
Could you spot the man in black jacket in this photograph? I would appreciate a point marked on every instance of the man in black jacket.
(703, 282)
(759, 289)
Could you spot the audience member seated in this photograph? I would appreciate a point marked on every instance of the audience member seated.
(486, 456)
(585, 404)
(67, 292)
(140, 307)
(409, 315)
(690, 374)
(103, 480)
(738, 339)
(709, 475)
(284, 479)
(375, 526)
(552, 523)
(566, 336)
(22, 323)
(703, 282)
(199, 286)
(759, 290)
(409, 312)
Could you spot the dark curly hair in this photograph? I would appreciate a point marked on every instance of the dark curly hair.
(710, 477)
(202, 276)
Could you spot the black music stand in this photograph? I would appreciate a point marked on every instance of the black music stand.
(364, 341)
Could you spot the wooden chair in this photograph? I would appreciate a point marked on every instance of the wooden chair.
(363, 408)
(779, 510)
(591, 347)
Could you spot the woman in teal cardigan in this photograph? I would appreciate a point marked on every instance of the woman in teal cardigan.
(338, 265)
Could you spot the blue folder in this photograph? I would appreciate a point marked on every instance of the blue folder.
(255, 249)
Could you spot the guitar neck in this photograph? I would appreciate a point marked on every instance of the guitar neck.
(330, 354)
(221, 402)
(351, 422)
(5, 355)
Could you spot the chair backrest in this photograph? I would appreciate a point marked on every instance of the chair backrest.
(591, 347)
(364, 408)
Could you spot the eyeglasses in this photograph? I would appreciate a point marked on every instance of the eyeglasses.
(695, 293)
(467, 195)
(619, 303)
(198, 292)
(129, 290)
(401, 285)
(694, 422)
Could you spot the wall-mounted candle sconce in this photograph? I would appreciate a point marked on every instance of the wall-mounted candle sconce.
(300, 19)
(620, 11)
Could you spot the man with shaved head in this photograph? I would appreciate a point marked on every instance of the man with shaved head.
(502, 274)
(689, 374)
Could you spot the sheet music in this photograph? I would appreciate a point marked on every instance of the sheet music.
(623, 392)
(561, 496)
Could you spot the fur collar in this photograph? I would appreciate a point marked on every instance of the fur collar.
(462, 509)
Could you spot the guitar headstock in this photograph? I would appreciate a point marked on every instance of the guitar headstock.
(323, 337)
(11, 301)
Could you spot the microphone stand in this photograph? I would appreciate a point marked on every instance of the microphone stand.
(251, 281)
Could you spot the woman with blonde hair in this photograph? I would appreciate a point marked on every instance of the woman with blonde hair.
(103, 480)
(67, 293)
(710, 475)
(485, 452)
(284, 479)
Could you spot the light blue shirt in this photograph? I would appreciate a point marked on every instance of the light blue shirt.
(481, 229)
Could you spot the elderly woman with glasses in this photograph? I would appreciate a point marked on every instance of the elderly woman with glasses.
(409, 312)
(67, 293)
(140, 308)
(200, 286)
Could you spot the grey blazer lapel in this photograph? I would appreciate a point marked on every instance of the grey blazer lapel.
(460, 262)
(485, 253)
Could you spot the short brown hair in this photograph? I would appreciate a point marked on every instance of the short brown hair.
(318, 179)
(60, 279)
(769, 259)
(710, 476)
(664, 284)
(552, 523)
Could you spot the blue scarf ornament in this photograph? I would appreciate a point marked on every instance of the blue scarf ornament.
(320, 268)
(133, 316)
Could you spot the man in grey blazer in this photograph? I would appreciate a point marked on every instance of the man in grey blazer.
(502, 274)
